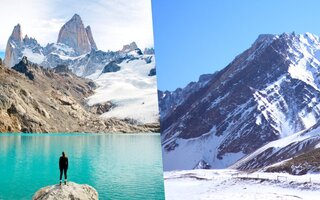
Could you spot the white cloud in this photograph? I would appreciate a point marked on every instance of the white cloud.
(113, 22)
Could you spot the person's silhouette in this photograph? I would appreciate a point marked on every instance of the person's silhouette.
(63, 166)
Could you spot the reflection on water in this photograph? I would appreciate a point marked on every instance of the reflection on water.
(118, 166)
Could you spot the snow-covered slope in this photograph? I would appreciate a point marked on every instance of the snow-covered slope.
(268, 92)
(130, 88)
(282, 149)
(230, 184)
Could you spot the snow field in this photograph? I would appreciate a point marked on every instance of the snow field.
(231, 184)
(131, 89)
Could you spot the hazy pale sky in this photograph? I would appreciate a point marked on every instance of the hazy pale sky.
(114, 23)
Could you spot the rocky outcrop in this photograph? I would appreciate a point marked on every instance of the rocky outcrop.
(148, 51)
(73, 34)
(101, 108)
(301, 164)
(14, 45)
(138, 51)
(17, 47)
(111, 67)
(129, 47)
(152, 72)
(61, 69)
(71, 191)
(148, 59)
(90, 37)
(23, 68)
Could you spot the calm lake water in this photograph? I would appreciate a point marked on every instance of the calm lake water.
(118, 166)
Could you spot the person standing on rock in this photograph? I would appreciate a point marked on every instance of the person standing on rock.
(63, 166)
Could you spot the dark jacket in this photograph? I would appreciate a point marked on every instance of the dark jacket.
(63, 162)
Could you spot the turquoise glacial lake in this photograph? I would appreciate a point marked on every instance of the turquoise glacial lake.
(118, 166)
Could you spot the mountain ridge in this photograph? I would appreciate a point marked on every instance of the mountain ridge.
(75, 47)
(52, 101)
(252, 101)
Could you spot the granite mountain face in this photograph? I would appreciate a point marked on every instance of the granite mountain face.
(269, 92)
(14, 46)
(74, 35)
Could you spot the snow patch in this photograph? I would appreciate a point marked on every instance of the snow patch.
(33, 57)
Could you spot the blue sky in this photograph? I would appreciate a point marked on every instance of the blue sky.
(198, 37)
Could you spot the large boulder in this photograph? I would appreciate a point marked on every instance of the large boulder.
(72, 191)
(100, 108)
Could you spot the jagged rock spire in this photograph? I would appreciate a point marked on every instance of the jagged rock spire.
(75, 35)
(90, 37)
(129, 47)
(15, 41)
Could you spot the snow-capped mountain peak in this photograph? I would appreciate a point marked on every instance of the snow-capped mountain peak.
(268, 92)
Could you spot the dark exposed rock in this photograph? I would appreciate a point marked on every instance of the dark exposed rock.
(23, 68)
(138, 51)
(148, 59)
(61, 69)
(129, 47)
(131, 121)
(148, 51)
(111, 67)
(92, 85)
(0, 61)
(101, 108)
(202, 165)
(301, 164)
(152, 72)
